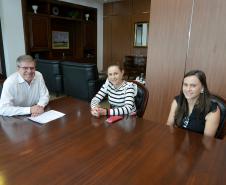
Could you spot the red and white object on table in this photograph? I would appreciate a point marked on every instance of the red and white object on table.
(113, 119)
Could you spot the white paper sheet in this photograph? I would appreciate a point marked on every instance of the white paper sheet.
(47, 116)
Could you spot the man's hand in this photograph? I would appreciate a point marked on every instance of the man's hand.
(36, 110)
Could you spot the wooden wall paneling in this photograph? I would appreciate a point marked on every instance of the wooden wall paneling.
(78, 41)
(168, 37)
(123, 7)
(107, 46)
(141, 6)
(119, 29)
(208, 43)
(108, 9)
(143, 17)
(139, 51)
(90, 37)
(121, 38)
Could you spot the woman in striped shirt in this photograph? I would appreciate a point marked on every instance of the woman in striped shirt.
(120, 95)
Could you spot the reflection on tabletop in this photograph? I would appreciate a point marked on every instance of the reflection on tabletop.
(207, 142)
(128, 123)
(113, 130)
(16, 128)
(189, 150)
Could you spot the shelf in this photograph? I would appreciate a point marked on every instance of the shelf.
(62, 17)
(43, 7)
(65, 18)
(38, 14)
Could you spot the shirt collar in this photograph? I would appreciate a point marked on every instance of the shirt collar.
(21, 80)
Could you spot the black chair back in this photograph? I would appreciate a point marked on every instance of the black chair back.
(141, 98)
(222, 105)
(80, 80)
(51, 71)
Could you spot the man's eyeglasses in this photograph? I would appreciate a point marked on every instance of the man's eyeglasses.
(27, 68)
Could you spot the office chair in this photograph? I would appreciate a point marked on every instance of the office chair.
(80, 80)
(51, 71)
(222, 105)
(141, 98)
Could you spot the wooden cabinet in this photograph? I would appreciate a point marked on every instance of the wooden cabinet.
(60, 30)
(39, 33)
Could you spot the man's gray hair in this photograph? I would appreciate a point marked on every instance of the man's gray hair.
(27, 58)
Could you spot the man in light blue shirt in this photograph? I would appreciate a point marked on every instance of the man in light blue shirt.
(24, 92)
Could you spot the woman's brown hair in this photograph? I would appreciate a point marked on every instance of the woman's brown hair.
(203, 102)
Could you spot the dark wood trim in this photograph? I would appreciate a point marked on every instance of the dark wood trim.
(2, 58)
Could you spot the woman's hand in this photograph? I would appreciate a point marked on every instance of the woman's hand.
(98, 111)
(102, 112)
(95, 111)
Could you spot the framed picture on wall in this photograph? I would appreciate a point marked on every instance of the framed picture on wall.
(60, 40)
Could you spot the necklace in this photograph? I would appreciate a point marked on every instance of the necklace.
(185, 121)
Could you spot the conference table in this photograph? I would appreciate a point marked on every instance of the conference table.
(79, 149)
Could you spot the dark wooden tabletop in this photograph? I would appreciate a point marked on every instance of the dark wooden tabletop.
(79, 149)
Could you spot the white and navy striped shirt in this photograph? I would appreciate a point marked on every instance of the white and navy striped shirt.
(121, 99)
